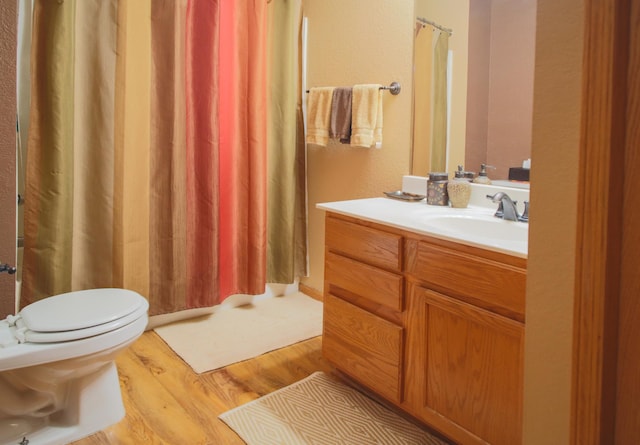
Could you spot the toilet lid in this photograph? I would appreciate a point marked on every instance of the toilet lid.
(81, 314)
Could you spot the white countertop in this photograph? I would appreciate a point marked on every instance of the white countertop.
(414, 217)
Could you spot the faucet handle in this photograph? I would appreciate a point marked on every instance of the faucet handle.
(495, 198)
(525, 215)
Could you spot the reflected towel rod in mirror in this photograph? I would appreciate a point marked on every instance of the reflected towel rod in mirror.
(394, 88)
(434, 24)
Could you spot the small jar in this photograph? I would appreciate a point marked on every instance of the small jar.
(437, 189)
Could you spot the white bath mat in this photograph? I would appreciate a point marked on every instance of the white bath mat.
(232, 335)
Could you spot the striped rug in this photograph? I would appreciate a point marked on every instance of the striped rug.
(321, 411)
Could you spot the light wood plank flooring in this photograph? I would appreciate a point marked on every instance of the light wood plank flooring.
(167, 403)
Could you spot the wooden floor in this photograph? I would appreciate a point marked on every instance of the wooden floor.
(167, 403)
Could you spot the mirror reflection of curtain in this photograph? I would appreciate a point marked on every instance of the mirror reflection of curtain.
(133, 180)
(422, 76)
(439, 135)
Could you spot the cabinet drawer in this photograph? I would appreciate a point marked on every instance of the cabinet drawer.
(364, 243)
(494, 286)
(364, 346)
(375, 285)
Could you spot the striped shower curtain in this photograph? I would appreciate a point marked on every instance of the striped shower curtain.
(147, 150)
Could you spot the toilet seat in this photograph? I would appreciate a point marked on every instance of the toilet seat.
(77, 315)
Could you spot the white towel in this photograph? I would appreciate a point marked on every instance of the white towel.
(366, 121)
(319, 115)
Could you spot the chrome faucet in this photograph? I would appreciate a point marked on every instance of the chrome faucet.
(507, 209)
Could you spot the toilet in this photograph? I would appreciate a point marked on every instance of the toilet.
(58, 378)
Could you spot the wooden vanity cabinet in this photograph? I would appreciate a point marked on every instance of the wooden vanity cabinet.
(434, 327)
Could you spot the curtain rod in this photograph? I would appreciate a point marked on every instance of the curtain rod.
(434, 24)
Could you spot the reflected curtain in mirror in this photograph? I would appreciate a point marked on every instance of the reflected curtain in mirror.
(440, 106)
(431, 84)
(422, 75)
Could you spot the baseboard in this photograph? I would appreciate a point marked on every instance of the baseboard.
(313, 293)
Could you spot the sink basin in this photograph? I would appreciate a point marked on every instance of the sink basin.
(482, 229)
(480, 225)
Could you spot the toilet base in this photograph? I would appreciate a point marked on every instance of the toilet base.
(94, 403)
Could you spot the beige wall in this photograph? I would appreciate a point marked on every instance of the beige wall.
(7, 152)
(349, 45)
(552, 233)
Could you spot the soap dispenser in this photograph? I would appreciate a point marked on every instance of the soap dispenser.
(459, 189)
(482, 177)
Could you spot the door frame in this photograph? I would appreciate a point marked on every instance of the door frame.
(8, 194)
(600, 214)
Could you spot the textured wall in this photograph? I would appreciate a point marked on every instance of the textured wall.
(7, 152)
(554, 193)
(348, 45)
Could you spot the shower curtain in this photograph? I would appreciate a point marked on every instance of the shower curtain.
(286, 215)
(147, 150)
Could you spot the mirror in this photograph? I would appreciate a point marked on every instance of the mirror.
(490, 84)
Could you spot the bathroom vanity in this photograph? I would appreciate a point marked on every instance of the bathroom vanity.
(432, 323)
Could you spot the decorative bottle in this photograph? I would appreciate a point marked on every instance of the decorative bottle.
(482, 177)
(459, 189)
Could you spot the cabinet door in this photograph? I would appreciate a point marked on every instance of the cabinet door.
(468, 367)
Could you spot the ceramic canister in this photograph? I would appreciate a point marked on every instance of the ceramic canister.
(437, 189)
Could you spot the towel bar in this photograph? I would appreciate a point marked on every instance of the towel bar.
(394, 88)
